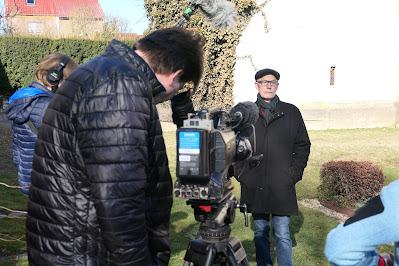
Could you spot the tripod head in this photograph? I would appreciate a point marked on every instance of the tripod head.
(216, 217)
(213, 244)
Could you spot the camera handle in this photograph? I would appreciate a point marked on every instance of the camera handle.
(230, 204)
(221, 213)
(243, 209)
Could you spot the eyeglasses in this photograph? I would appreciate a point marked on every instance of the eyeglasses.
(264, 83)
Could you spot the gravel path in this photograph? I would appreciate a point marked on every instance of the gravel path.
(315, 205)
(4, 122)
(6, 164)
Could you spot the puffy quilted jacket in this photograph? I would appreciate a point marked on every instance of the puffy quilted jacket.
(101, 190)
(26, 104)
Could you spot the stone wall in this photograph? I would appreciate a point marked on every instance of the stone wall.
(350, 115)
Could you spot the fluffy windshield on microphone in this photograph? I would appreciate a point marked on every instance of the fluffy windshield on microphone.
(221, 13)
(249, 112)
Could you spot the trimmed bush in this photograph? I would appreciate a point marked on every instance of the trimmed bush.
(350, 183)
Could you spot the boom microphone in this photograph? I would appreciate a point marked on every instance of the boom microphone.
(220, 13)
(246, 113)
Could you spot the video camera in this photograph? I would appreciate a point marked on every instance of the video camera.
(209, 145)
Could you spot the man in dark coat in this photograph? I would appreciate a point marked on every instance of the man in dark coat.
(101, 191)
(269, 188)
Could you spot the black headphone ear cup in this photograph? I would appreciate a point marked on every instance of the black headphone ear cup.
(54, 76)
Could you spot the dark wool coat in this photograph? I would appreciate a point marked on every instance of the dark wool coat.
(101, 190)
(26, 104)
(285, 145)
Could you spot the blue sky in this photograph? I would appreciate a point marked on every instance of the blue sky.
(132, 10)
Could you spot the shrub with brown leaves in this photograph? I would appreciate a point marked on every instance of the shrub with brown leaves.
(348, 183)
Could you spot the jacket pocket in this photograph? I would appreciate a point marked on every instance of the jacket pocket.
(291, 175)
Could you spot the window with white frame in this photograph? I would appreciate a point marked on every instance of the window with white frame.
(30, 2)
(35, 27)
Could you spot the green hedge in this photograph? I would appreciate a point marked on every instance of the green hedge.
(19, 57)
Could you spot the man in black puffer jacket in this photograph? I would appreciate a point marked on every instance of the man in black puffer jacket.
(101, 191)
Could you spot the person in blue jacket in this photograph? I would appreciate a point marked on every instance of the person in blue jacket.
(354, 242)
(27, 107)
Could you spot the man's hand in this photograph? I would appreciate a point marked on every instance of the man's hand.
(181, 105)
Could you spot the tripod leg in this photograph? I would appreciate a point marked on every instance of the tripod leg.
(233, 261)
(210, 256)
(245, 262)
(230, 256)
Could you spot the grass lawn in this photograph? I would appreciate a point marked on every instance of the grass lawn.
(308, 229)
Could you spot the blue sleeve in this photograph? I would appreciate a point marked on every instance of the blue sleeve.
(354, 242)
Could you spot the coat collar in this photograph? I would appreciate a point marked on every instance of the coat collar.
(278, 113)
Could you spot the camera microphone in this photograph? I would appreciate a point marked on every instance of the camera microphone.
(246, 113)
(220, 13)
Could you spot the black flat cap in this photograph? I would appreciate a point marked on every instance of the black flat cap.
(263, 72)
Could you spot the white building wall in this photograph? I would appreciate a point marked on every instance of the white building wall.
(306, 38)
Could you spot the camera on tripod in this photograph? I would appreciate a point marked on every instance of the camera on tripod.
(210, 145)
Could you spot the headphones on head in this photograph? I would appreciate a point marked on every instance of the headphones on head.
(55, 75)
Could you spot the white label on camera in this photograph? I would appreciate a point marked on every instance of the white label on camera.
(189, 151)
(184, 158)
